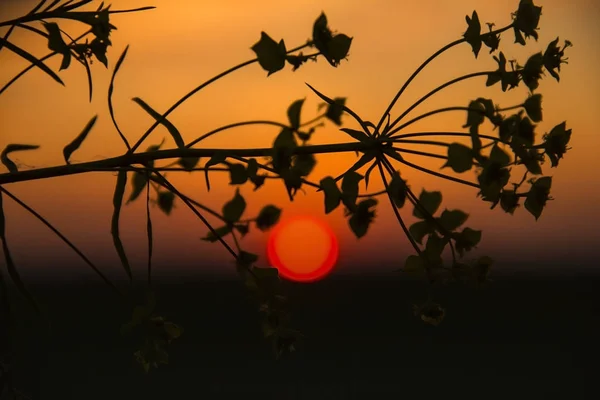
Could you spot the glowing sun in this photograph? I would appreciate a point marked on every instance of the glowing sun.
(302, 248)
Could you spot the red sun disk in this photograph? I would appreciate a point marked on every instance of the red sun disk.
(318, 273)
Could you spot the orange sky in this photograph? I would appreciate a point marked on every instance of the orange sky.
(182, 43)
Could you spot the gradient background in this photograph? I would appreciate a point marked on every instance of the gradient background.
(183, 43)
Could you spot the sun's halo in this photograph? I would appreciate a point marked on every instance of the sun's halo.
(303, 248)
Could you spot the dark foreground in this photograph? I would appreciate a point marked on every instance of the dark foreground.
(520, 338)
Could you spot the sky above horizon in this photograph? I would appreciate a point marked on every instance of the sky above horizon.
(181, 44)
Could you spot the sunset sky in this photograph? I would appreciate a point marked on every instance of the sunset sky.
(182, 43)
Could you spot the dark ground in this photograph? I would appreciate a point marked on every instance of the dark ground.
(519, 338)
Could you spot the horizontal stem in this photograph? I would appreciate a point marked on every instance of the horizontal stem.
(143, 158)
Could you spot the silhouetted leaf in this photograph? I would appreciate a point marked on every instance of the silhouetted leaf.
(32, 59)
(268, 217)
(12, 167)
(494, 175)
(499, 156)
(358, 135)
(243, 229)
(434, 249)
(370, 169)
(74, 145)
(466, 240)
(538, 195)
(271, 55)
(283, 149)
(138, 183)
(397, 189)
(527, 19)
(335, 110)
(333, 47)
(533, 106)
(473, 32)
(419, 230)
(339, 47)
(350, 188)
(475, 115)
(117, 202)
(555, 142)
(252, 171)
(189, 163)
(221, 232)
(166, 123)
(293, 113)
(532, 71)
(509, 201)
(233, 209)
(430, 201)
(460, 157)
(217, 158)
(333, 196)
(297, 60)
(362, 217)
(57, 44)
(508, 79)
(165, 201)
(490, 40)
(110, 93)
(553, 57)
(304, 164)
(237, 174)
(452, 219)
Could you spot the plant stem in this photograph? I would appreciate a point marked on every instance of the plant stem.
(31, 66)
(64, 14)
(398, 217)
(439, 175)
(172, 188)
(427, 114)
(143, 158)
(234, 125)
(422, 99)
(194, 91)
(420, 153)
(63, 238)
(433, 56)
(511, 107)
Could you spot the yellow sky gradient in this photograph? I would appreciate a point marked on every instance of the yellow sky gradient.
(183, 43)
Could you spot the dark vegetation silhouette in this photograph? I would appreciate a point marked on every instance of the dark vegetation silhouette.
(496, 158)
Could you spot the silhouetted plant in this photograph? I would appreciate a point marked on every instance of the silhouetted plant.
(292, 161)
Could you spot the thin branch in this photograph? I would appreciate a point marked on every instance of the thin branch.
(234, 125)
(434, 91)
(194, 91)
(433, 56)
(439, 175)
(63, 238)
(183, 198)
(143, 158)
(395, 209)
